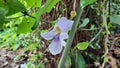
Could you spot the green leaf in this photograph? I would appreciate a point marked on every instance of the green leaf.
(35, 25)
(92, 27)
(25, 26)
(105, 59)
(73, 60)
(30, 3)
(115, 19)
(33, 3)
(81, 61)
(16, 46)
(14, 6)
(68, 61)
(46, 8)
(3, 13)
(85, 22)
(82, 45)
(38, 3)
(77, 61)
(84, 3)
(50, 4)
(2, 3)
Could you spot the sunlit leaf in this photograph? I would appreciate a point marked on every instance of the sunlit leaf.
(82, 45)
(84, 3)
(33, 3)
(14, 6)
(43, 9)
(50, 4)
(47, 7)
(38, 3)
(25, 26)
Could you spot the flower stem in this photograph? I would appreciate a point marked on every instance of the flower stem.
(70, 39)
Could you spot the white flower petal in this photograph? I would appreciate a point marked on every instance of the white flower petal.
(55, 47)
(63, 36)
(22, 65)
(64, 24)
(48, 35)
(63, 43)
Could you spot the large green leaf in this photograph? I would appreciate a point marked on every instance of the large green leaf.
(30, 3)
(47, 7)
(82, 45)
(33, 3)
(73, 60)
(50, 4)
(84, 3)
(81, 61)
(77, 60)
(115, 19)
(43, 9)
(25, 26)
(2, 3)
(3, 13)
(15, 6)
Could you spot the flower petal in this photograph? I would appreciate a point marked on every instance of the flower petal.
(48, 35)
(22, 65)
(63, 43)
(55, 47)
(64, 24)
(63, 36)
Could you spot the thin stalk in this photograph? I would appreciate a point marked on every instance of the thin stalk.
(70, 39)
(107, 31)
(106, 28)
(95, 36)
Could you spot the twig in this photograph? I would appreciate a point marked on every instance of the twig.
(89, 29)
(95, 36)
(74, 5)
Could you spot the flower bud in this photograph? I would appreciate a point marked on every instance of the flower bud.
(73, 13)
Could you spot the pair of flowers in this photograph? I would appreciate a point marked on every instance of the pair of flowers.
(58, 35)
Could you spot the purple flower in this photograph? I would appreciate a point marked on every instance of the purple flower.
(59, 33)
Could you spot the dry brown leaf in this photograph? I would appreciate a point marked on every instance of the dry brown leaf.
(117, 51)
(112, 62)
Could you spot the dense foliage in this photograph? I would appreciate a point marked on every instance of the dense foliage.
(93, 29)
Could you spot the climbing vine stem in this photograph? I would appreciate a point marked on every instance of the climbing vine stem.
(70, 39)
